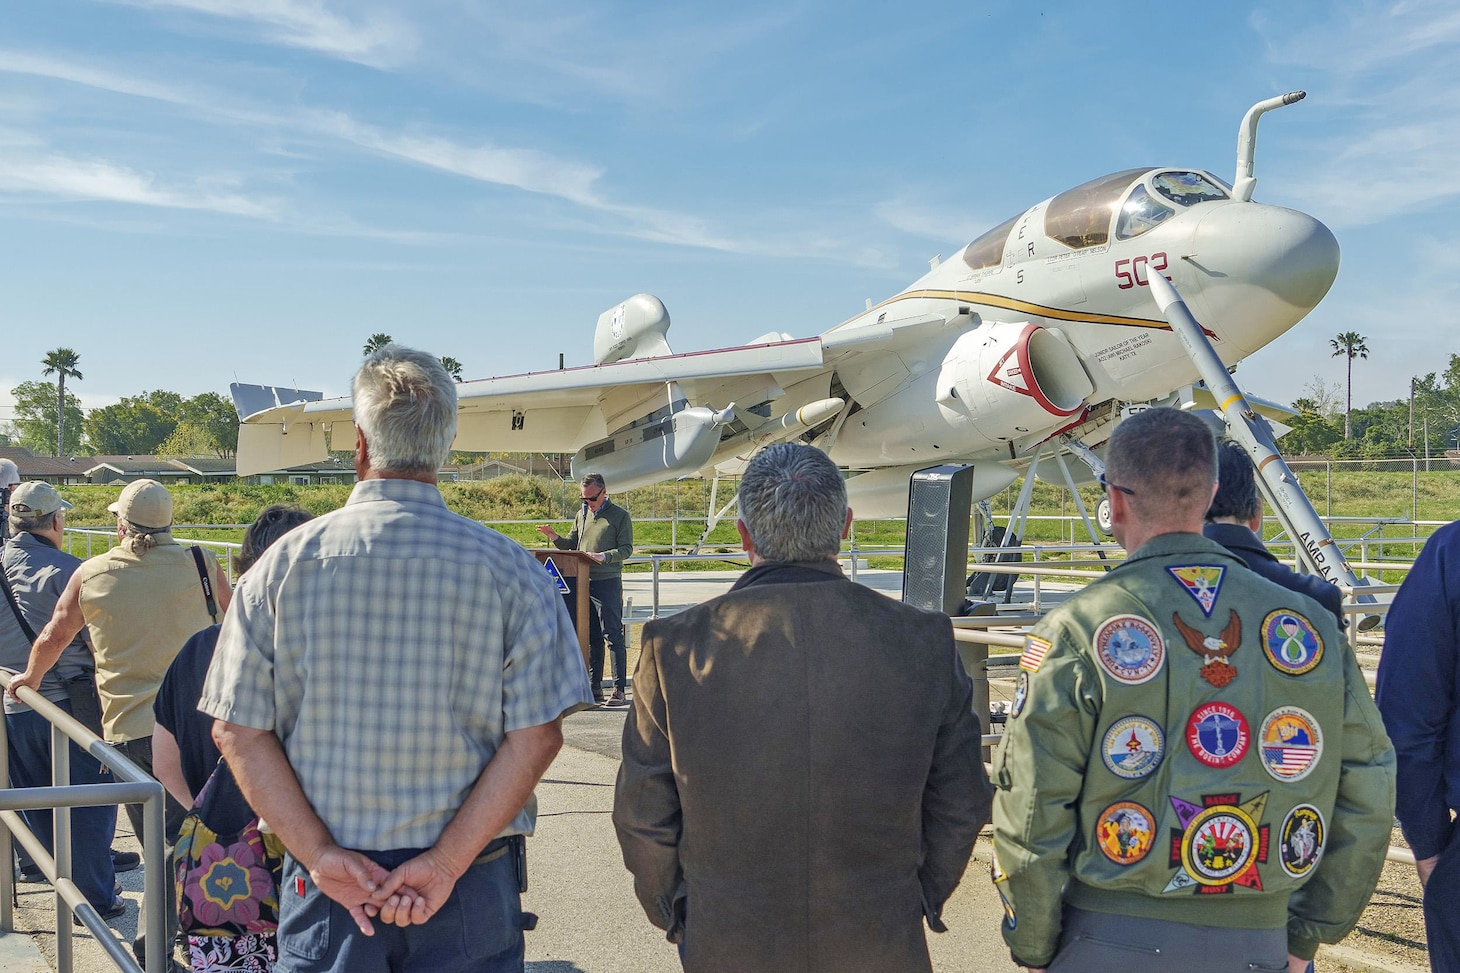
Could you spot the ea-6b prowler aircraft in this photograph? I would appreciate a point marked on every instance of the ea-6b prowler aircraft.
(1037, 334)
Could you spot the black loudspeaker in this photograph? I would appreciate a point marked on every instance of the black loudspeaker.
(939, 502)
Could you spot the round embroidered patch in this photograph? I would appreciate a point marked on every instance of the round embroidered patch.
(1129, 647)
(1290, 642)
(1132, 747)
(1125, 832)
(1291, 742)
(1302, 840)
(1218, 844)
(1021, 693)
(1217, 735)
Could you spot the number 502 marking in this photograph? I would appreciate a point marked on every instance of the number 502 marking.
(1132, 272)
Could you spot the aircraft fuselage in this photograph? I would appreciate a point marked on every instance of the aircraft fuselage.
(1054, 315)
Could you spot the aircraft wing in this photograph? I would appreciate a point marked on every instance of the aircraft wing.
(555, 411)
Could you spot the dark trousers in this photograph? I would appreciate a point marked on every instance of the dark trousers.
(139, 751)
(1442, 909)
(92, 828)
(605, 620)
(478, 929)
(1093, 942)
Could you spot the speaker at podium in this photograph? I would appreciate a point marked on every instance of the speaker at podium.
(939, 502)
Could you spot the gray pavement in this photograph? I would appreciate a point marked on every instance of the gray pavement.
(590, 920)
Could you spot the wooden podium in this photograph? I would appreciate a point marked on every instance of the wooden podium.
(572, 564)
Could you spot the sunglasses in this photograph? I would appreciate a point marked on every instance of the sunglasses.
(1107, 485)
(593, 499)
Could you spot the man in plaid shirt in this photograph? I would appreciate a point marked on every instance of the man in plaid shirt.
(389, 686)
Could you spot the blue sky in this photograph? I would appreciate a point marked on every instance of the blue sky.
(198, 191)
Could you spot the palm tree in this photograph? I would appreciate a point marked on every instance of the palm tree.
(1351, 345)
(62, 363)
(377, 341)
(452, 366)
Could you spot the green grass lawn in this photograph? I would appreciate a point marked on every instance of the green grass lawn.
(532, 500)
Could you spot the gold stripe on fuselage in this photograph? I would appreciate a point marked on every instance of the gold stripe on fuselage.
(1010, 304)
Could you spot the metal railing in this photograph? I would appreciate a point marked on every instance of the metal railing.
(134, 786)
(109, 537)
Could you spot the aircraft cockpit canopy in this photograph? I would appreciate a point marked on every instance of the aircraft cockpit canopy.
(988, 250)
(1081, 217)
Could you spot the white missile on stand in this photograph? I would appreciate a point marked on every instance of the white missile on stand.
(1278, 483)
(811, 414)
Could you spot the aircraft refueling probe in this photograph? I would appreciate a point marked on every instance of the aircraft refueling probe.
(1245, 182)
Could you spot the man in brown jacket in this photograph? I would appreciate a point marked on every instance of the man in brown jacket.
(785, 820)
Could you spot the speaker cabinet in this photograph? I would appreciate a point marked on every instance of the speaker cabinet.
(939, 502)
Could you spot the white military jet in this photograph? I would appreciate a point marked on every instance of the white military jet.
(1035, 335)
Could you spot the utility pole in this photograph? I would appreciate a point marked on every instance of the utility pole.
(1411, 416)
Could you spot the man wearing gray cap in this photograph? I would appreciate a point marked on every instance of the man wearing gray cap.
(139, 601)
(35, 574)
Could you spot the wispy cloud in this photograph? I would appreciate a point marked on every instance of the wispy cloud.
(567, 53)
(377, 38)
(65, 177)
(1389, 68)
(574, 181)
(41, 66)
(527, 169)
(928, 221)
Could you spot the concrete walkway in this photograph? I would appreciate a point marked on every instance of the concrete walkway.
(590, 920)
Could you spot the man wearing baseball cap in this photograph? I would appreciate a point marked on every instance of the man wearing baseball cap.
(35, 574)
(139, 601)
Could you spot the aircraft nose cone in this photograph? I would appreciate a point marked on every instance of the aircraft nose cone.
(1290, 255)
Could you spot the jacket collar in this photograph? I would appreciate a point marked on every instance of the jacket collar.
(27, 539)
(790, 572)
(1166, 545)
(1237, 537)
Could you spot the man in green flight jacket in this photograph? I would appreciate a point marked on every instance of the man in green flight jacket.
(1194, 776)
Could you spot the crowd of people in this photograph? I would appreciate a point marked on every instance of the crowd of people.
(1193, 774)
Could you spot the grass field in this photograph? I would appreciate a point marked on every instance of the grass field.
(1363, 496)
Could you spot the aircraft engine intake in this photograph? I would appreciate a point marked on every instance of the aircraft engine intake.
(998, 384)
(1019, 376)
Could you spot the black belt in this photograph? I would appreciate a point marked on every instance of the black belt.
(495, 849)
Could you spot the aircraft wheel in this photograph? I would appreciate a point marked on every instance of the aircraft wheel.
(1102, 517)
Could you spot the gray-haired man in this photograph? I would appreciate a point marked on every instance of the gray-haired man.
(792, 830)
(36, 571)
(389, 688)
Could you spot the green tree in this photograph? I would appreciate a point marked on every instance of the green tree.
(61, 363)
(1351, 345)
(1311, 432)
(131, 427)
(452, 366)
(37, 421)
(189, 439)
(169, 402)
(214, 415)
(376, 342)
